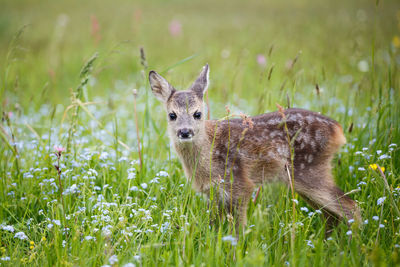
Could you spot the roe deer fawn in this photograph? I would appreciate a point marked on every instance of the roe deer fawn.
(249, 155)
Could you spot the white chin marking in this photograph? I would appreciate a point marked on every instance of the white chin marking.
(185, 140)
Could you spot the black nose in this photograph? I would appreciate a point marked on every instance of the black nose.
(185, 133)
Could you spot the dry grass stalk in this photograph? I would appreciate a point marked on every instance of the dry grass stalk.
(134, 91)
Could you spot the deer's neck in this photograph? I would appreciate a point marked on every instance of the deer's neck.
(195, 158)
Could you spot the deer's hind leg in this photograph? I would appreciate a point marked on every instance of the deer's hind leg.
(318, 188)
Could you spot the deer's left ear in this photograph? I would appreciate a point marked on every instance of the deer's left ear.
(201, 84)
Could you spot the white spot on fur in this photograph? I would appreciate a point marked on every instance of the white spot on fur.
(306, 138)
(310, 118)
(271, 154)
(274, 121)
(283, 151)
(313, 144)
(272, 134)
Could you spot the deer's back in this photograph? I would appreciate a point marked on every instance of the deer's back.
(264, 140)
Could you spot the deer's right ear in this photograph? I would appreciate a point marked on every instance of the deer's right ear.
(160, 87)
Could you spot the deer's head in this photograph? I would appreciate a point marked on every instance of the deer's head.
(184, 108)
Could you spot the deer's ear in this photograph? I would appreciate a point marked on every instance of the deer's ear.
(201, 84)
(160, 87)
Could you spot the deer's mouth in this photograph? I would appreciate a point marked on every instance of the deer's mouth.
(185, 139)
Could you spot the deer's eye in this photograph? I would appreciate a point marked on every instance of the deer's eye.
(172, 116)
(197, 115)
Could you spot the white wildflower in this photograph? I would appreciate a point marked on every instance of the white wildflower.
(134, 188)
(310, 243)
(134, 162)
(380, 200)
(122, 159)
(103, 155)
(231, 239)
(305, 209)
(90, 238)
(136, 257)
(21, 235)
(105, 231)
(384, 156)
(155, 180)
(162, 174)
(9, 228)
(363, 66)
(113, 259)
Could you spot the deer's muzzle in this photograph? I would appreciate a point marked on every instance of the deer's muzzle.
(185, 133)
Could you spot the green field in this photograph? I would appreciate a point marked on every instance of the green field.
(67, 71)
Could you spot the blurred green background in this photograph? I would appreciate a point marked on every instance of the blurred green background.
(329, 39)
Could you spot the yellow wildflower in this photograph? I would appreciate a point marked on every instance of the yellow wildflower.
(375, 167)
(31, 247)
(396, 41)
(32, 243)
(44, 238)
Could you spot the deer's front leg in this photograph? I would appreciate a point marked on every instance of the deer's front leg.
(241, 219)
(215, 205)
(238, 204)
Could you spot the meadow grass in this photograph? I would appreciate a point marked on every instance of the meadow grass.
(67, 74)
